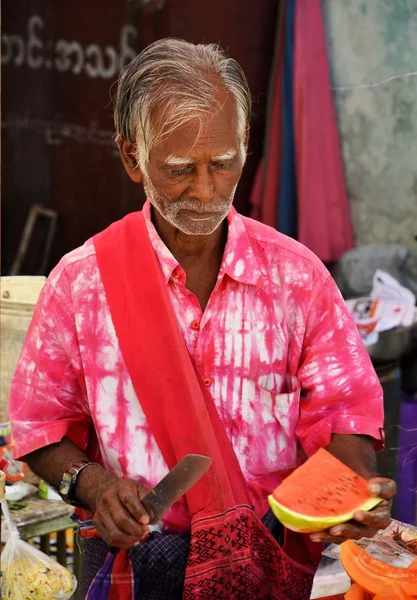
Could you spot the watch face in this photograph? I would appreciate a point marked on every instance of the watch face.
(65, 484)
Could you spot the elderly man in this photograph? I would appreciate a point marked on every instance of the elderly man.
(187, 328)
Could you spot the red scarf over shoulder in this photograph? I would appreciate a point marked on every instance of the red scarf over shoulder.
(232, 554)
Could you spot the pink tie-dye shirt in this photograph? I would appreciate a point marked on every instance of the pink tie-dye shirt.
(275, 345)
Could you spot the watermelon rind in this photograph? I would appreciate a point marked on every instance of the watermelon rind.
(305, 524)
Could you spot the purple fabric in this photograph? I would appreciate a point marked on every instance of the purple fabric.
(407, 462)
(104, 580)
(158, 567)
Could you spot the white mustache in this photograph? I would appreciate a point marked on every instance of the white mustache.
(194, 207)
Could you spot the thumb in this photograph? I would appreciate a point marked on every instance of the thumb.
(382, 487)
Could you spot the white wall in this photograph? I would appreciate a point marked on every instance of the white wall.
(370, 40)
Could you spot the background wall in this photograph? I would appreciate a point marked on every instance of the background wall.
(370, 40)
(60, 60)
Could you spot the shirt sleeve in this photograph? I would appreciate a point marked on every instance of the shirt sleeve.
(340, 391)
(47, 399)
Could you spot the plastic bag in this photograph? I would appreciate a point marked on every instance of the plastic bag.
(30, 574)
(396, 545)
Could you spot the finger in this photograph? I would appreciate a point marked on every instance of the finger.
(110, 533)
(355, 531)
(382, 487)
(130, 499)
(324, 537)
(125, 522)
(382, 507)
(112, 506)
(346, 531)
(349, 531)
(379, 517)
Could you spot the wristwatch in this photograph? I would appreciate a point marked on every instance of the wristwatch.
(69, 481)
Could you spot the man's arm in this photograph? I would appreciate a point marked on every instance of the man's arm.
(358, 453)
(355, 451)
(119, 516)
(341, 406)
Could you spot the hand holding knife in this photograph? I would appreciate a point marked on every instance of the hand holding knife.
(125, 509)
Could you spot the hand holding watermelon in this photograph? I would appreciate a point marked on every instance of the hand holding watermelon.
(364, 523)
(326, 498)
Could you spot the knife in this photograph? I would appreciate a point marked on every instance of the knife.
(175, 484)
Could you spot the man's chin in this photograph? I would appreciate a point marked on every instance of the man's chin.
(199, 226)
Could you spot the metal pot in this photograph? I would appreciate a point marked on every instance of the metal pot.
(394, 343)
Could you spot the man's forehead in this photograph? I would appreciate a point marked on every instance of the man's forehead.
(214, 134)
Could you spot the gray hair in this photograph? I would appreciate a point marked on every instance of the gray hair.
(185, 79)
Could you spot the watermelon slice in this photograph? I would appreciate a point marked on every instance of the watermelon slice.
(323, 492)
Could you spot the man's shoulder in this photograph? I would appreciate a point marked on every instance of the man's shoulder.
(75, 264)
(280, 246)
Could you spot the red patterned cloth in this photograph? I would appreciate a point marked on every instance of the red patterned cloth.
(159, 564)
(233, 555)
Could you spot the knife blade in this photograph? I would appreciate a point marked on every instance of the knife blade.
(175, 484)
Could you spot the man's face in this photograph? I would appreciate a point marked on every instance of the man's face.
(191, 176)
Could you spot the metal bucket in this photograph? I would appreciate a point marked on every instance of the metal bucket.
(394, 343)
(18, 297)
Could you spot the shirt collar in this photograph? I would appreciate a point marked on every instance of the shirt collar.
(166, 259)
(239, 260)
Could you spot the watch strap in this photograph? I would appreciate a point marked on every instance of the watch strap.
(70, 477)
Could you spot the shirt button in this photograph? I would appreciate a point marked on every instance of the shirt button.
(207, 381)
(176, 274)
(195, 325)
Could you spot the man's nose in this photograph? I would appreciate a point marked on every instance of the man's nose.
(203, 185)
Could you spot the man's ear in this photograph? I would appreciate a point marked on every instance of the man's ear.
(128, 154)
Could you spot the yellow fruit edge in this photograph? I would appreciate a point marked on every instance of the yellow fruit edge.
(303, 524)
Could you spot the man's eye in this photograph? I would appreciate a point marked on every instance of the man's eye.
(222, 166)
(178, 172)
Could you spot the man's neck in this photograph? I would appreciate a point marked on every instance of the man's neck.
(199, 255)
(188, 249)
